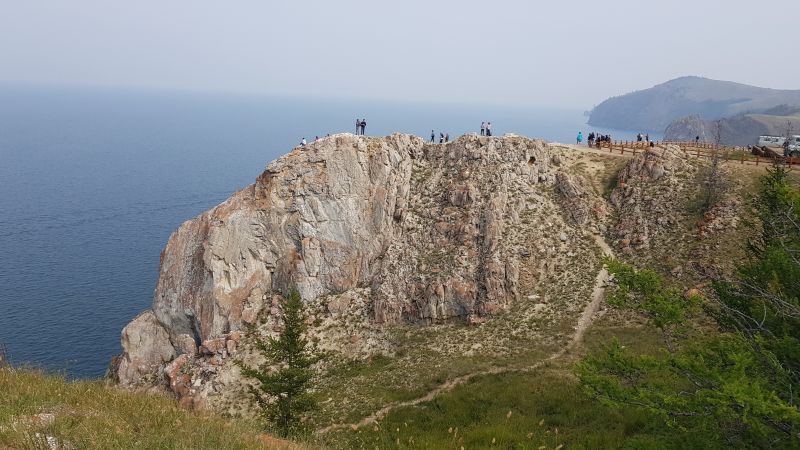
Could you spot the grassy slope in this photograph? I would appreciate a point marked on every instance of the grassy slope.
(538, 410)
(90, 415)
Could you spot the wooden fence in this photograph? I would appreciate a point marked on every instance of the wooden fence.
(698, 150)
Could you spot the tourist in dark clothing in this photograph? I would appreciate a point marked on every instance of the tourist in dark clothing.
(363, 125)
(433, 136)
(441, 138)
(483, 128)
(447, 137)
(488, 128)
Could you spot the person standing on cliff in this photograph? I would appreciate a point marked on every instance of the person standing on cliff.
(488, 128)
(483, 128)
(447, 137)
(358, 127)
(363, 125)
(433, 137)
(303, 142)
(580, 137)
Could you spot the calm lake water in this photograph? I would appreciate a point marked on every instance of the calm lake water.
(93, 181)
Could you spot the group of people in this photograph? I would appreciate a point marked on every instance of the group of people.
(360, 125)
(594, 139)
(303, 141)
(640, 137)
(443, 137)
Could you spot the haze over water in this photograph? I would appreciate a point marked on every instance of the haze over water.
(92, 182)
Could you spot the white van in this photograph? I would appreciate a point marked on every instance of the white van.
(794, 142)
(771, 141)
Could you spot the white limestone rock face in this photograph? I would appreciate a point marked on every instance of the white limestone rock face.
(389, 229)
(649, 188)
(146, 348)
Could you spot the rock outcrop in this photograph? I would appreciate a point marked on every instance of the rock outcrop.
(649, 189)
(384, 230)
(688, 129)
(146, 346)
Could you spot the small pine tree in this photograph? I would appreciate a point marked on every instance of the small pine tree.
(282, 392)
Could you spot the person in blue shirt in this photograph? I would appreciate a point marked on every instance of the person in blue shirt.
(580, 137)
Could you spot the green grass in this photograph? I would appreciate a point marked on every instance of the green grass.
(517, 411)
(366, 386)
(541, 409)
(90, 415)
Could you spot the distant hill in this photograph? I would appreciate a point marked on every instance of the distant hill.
(739, 130)
(655, 108)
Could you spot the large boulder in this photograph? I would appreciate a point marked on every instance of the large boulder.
(146, 348)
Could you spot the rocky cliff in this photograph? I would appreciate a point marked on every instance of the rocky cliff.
(655, 108)
(374, 233)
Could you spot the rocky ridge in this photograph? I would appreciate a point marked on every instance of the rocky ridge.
(379, 234)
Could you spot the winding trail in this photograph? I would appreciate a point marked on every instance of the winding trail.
(583, 323)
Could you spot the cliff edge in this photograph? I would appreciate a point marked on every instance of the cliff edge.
(373, 232)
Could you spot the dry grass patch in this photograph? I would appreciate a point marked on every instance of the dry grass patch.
(36, 408)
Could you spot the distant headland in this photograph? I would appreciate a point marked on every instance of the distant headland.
(657, 108)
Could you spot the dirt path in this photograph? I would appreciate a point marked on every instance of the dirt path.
(580, 329)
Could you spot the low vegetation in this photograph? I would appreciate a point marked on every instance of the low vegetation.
(546, 409)
(42, 411)
(736, 383)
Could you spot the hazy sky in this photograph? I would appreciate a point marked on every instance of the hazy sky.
(561, 52)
